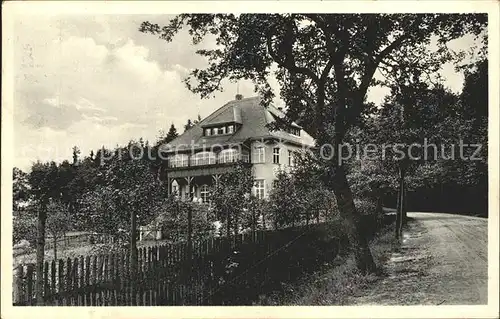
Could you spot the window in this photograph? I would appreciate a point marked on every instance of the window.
(215, 131)
(208, 131)
(179, 160)
(259, 155)
(203, 158)
(260, 188)
(230, 129)
(204, 193)
(228, 156)
(291, 158)
(276, 155)
(222, 130)
(293, 131)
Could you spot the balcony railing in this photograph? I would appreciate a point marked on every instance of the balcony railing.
(205, 161)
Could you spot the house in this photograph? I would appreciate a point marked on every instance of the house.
(236, 131)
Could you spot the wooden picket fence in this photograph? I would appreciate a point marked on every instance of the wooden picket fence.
(207, 273)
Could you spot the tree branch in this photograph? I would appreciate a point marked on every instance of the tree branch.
(288, 63)
(372, 67)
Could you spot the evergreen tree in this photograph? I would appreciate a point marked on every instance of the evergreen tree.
(172, 134)
(188, 125)
(76, 154)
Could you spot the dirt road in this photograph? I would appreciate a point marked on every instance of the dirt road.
(443, 260)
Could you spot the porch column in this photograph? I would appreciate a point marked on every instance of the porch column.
(189, 180)
(216, 178)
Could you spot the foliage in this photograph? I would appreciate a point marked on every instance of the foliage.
(230, 196)
(257, 214)
(129, 186)
(298, 195)
(287, 207)
(20, 189)
(173, 220)
(24, 228)
(58, 219)
(169, 137)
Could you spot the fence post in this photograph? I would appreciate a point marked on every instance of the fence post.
(29, 285)
(45, 281)
(18, 285)
(60, 282)
(40, 253)
(53, 281)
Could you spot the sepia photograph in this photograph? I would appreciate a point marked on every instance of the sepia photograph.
(225, 155)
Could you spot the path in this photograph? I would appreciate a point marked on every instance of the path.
(443, 260)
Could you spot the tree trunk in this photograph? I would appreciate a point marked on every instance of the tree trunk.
(359, 243)
(40, 254)
(236, 221)
(379, 208)
(405, 204)
(190, 232)
(55, 248)
(254, 224)
(133, 256)
(228, 219)
(400, 210)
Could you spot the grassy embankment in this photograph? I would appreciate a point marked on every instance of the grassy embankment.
(337, 280)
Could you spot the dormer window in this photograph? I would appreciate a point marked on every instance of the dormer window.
(219, 130)
(293, 130)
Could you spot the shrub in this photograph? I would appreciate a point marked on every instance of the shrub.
(173, 220)
(24, 228)
(371, 219)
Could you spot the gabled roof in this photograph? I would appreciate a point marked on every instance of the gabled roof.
(254, 119)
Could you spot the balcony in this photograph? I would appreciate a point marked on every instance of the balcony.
(195, 165)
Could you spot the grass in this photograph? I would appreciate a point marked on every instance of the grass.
(338, 280)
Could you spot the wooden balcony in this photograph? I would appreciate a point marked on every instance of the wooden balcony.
(197, 169)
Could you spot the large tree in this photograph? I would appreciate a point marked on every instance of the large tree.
(324, 64)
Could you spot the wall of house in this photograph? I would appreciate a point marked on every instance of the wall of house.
(267, 171)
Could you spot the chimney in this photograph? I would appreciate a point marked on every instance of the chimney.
(238, 97)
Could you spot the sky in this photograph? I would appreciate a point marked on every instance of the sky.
(95, 80)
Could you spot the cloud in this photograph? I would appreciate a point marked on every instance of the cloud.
(98, 81)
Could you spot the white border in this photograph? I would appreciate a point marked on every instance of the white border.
(12, 9)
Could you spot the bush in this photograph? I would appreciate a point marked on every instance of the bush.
(174, 220)
(24, 228)
(371, 219)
